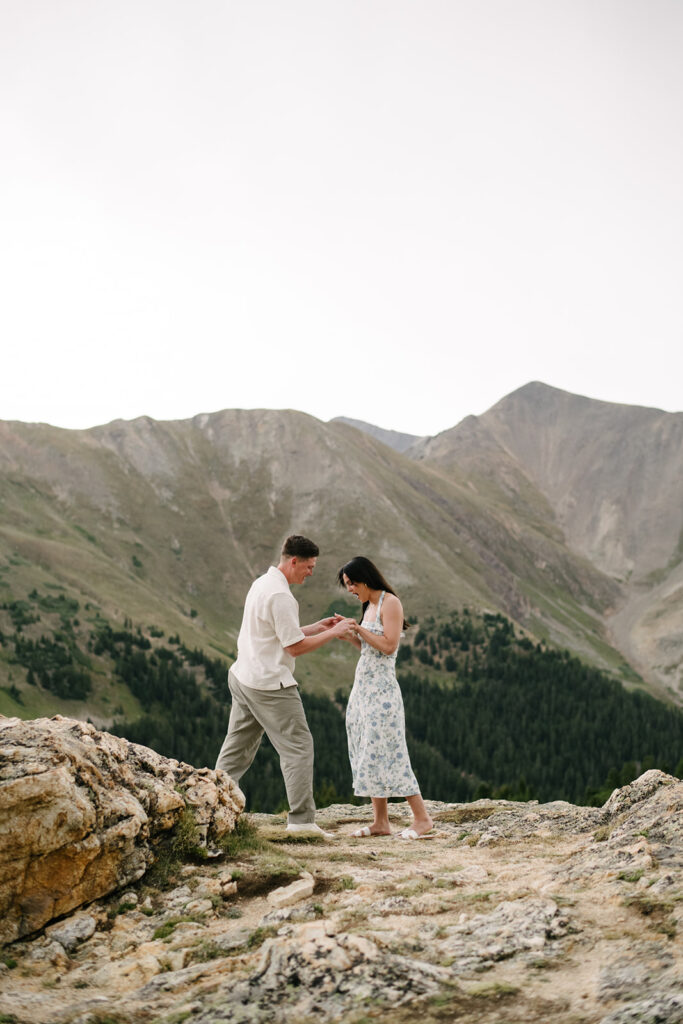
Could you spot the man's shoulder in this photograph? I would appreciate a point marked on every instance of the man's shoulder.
(270, 583)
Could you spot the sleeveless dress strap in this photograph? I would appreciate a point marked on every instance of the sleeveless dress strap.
(379, 608)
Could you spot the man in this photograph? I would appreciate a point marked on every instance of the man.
(265, 695)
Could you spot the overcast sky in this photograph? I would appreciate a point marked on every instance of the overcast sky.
(394, 211)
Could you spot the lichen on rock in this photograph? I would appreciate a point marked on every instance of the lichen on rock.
(81, 812)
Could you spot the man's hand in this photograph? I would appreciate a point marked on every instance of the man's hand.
(315, 637)
(322, 625)
(330, 621)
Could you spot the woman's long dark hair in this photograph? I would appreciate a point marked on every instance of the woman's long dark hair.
(361, 570)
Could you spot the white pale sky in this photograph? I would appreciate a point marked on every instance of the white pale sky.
(395, 211)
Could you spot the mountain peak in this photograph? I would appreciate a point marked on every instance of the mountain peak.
(547, 396)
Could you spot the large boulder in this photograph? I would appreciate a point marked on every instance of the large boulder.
(81, 813)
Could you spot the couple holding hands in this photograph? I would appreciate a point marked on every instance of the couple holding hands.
(265, 695)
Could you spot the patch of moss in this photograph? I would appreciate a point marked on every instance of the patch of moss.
(205, 951)
(497, 990)
(167, 928)
(243, 839)
(186, 841)
(259, 936)
(658, 911)
(344, 882)
(299, 838)
(631, 876)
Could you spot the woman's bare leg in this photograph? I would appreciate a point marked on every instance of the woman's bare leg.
(422, 821)
(380, 825)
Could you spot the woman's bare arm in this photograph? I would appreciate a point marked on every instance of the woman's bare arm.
(392, 623)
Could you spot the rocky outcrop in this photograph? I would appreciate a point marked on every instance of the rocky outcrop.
(81, 812)
(514, 911)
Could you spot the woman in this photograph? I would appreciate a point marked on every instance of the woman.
(375, 722)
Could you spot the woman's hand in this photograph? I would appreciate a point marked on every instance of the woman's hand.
(352, 636)
(342, 626)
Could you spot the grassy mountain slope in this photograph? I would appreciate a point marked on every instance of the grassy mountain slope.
(168, 523)
(612, 478)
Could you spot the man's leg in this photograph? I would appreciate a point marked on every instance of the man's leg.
(293, 741)
(244, 734)
(281, 714)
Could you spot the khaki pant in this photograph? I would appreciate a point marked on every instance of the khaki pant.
(280, 714)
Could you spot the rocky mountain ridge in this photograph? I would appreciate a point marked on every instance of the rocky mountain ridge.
(536, 509)
(613, 478)
(395, 439)
(511, 911)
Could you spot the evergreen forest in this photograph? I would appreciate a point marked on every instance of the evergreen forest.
(488, 711)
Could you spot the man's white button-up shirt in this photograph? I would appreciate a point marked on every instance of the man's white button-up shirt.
(270, 623)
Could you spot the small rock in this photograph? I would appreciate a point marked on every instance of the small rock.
(178, 897)
(49, 951)
(134, 970)
(232, 939)
(394, 905)
(174, 960)
(307, 912)
(491, 836)
(662, 884)
(209, 887)
(72, 931)
(638, 790)
(198, 907)
(285, 895)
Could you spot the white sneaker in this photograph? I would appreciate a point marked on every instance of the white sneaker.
(310, 828)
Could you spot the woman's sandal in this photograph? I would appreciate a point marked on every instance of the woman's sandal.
(365, 831)
(410, 833)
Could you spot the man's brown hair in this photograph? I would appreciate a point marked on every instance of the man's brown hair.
(297, 546)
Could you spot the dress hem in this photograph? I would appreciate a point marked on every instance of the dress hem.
(384, 796)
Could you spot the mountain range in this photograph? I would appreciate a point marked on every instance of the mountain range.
(562, 512)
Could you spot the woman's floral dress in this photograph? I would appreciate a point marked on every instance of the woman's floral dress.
(375, 724)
